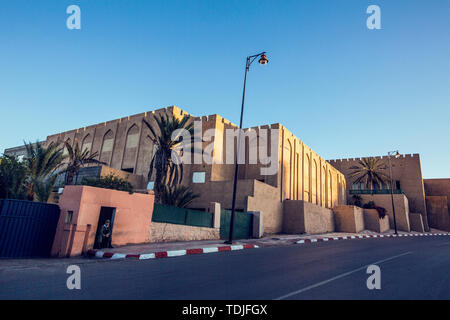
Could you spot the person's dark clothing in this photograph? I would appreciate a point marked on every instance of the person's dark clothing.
(104, 241)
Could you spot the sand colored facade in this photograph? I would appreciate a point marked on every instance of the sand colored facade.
(438, 202)
(300, 173)
(80, 212)
(348, 218)
(407, 177)
(401, 208)
(373, 222)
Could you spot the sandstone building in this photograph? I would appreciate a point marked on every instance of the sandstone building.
(301, 174)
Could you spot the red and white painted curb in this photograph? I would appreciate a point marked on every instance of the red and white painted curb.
(372, 236)
(166, 254)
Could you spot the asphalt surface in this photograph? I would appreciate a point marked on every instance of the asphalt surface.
(411, 268)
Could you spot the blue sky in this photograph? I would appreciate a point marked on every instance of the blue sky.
(343, 89)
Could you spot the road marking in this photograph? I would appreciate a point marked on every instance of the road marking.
(442, 244)
(339, 276)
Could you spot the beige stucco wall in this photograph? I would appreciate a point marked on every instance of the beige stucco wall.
(373, 222)
(438, 202)
(406, 169)
(401, 208)
(416, 222)
(305, 217)
(438, 212)
(348, 218)
(164, 232)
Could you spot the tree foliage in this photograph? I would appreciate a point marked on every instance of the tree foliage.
(109, 182)
(167, 137)
(369, 171)
(78, 158)
(12, 178)
(179, 196)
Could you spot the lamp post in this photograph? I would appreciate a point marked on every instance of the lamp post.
(396, 155)
(263, 60)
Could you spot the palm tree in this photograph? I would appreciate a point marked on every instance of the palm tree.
(369, 171)
(41, 162)
(179, 196)
(43, 188)
(167, 138)
(78, 158)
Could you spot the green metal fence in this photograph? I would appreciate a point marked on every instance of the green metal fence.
(170, 214)
(375, 191)
(243, 225)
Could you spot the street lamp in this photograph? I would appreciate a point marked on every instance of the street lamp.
(396, 155)
(262, 60)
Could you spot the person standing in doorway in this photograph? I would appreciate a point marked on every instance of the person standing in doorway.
(105, 235)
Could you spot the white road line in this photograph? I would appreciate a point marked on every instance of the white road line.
(339, 277)
(442, 244)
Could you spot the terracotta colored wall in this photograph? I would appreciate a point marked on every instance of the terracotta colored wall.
(131, 224)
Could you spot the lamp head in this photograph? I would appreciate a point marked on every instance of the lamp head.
(397, 155)
(263, 59)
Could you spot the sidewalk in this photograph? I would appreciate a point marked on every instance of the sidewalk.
(171, 249)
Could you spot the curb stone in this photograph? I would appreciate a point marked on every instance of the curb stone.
(167, 254)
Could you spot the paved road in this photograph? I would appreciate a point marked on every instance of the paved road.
(411, 268)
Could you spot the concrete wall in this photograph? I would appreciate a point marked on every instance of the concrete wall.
(401, 208)
(265, 199)
(304, 217)
(348, 218)
(131, 224)
(164, 232)
(416, 222)
(406, 169)
(373, 222)
(438, 202)
(438, 212)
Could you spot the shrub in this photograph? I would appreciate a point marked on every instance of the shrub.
(109, 182)
(357, 200)
(371, 205)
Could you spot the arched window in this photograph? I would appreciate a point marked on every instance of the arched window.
(131, 146)
(65, 151)
(287, 171)
(314, 182)
(306, 179)
(107, 147)
(330, 190)
(87, 143)
(322, 189)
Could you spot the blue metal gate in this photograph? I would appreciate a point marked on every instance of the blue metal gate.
(27, 228)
